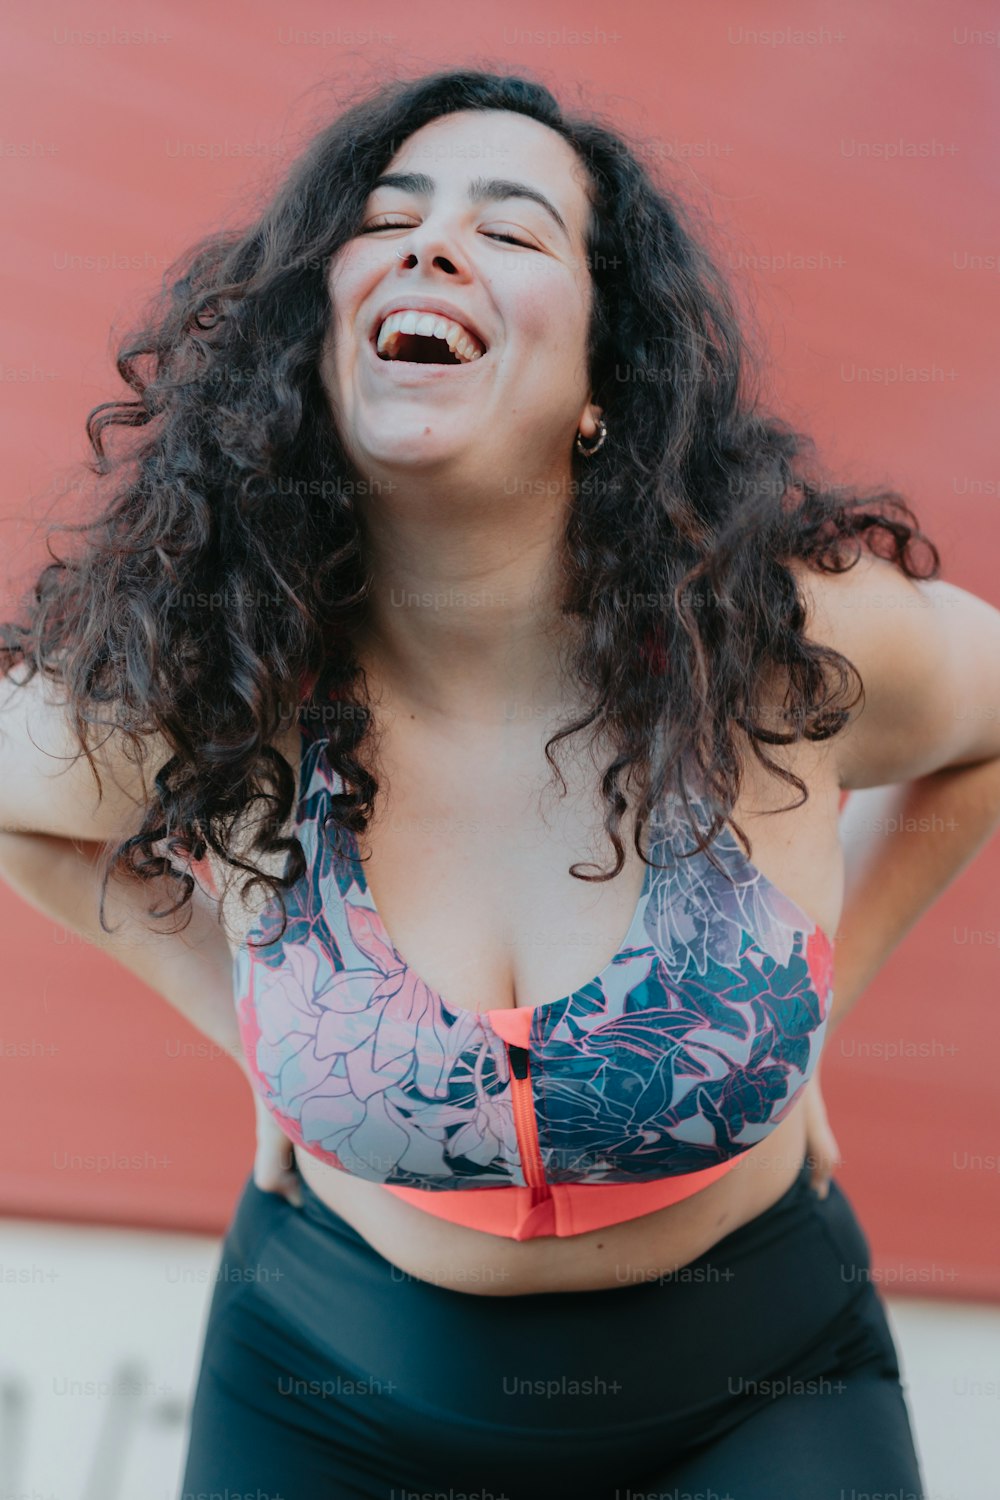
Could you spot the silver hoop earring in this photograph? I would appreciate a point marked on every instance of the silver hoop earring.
(602, 432)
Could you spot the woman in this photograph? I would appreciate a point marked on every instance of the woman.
(447, 453)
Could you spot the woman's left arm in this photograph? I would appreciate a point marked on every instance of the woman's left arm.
(902, 851)
(927, 734)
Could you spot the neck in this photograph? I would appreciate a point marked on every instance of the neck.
(464, 620)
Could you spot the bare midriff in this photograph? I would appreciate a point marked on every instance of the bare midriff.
(469, 1260)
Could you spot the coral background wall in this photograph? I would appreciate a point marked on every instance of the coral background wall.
(845, 160)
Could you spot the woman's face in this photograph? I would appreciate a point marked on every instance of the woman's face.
(438, 240)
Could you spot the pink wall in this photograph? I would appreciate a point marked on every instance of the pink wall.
(851, 172)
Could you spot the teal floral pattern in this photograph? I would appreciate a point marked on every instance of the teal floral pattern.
(688, 1049)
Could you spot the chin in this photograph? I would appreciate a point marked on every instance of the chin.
(414, 450)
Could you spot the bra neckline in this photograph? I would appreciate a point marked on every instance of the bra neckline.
(636, 929)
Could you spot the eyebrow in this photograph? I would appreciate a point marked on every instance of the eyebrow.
(481, 190)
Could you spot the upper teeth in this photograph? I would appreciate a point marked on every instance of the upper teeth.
(434, 325)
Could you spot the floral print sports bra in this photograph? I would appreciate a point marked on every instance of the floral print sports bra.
(634, 1091)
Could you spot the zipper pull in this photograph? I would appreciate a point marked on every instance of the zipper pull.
(518, 1060)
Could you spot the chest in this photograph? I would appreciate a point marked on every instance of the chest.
(467, 862)
(680, 1041)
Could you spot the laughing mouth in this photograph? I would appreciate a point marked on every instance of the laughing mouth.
(426, 338)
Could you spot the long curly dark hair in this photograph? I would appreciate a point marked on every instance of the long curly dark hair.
(677, 541)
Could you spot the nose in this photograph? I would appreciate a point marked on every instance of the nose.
(434, 249)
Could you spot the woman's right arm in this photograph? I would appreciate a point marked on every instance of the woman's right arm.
(192, 969)
(52, 833)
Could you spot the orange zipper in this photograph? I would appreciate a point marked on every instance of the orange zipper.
(525, 1122)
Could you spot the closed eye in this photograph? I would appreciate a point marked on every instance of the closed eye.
(510, 239)
(492, 235)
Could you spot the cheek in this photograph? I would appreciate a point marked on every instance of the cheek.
(550, 315)
(553, 326)
(348, 281)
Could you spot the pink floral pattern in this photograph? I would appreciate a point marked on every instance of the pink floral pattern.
(688, 1049)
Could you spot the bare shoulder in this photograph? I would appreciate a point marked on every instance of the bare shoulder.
(928, 655)
(47, 784)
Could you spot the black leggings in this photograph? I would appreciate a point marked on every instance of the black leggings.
(763, 1370)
